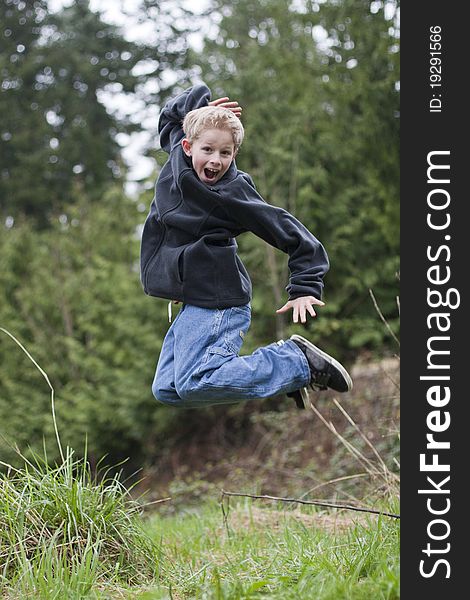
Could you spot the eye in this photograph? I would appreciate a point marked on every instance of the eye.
(206, 148)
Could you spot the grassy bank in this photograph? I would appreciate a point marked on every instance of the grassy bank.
(256, 550)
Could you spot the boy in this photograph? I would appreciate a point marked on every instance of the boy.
(189, 255)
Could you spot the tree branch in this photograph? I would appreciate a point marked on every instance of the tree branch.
(314, 502)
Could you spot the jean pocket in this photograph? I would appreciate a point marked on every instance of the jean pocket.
(236, 327)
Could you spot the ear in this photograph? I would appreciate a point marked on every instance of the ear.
(186, 146)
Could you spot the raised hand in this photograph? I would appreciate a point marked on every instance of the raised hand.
(301, 306)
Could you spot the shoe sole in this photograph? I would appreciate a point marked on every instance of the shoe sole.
(328, 358)
(301, 398)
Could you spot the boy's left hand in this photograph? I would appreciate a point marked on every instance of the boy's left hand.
(301, 306)
(225, 102)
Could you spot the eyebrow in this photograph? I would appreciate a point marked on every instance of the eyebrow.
(228, 147)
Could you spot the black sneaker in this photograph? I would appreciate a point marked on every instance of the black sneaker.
(326, 371)
(301, 398)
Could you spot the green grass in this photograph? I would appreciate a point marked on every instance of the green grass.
(65, 533)
(282, 554)
(66, 536)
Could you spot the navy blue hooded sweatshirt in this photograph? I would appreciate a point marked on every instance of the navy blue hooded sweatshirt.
(188, 249)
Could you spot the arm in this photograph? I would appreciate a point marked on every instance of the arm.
(308, 261)
(174, 111)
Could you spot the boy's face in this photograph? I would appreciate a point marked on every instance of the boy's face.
(212, 153)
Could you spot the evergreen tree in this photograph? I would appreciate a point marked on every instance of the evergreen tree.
(57, 136)
(24, 148)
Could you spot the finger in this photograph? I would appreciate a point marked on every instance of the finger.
(303, 317)
(284, 308)
(232, 104)
(311, 310)
(295, 318)
(218, 101)
(316, 301)
(236, 111)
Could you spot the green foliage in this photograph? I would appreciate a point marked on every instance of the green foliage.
(56, 136)
(58, 140)
(72, 296)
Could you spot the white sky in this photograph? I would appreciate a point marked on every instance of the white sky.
(112, 9)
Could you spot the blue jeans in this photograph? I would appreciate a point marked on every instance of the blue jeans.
(199, 364)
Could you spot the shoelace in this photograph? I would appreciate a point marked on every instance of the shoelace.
(321, 381)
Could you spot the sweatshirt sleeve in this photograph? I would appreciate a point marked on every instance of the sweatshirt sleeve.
(174, 111)
(308, 260)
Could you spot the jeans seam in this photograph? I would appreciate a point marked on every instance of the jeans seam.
(238, 389)
(215, 331)
(233, 387)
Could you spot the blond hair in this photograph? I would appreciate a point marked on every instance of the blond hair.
(213, 117)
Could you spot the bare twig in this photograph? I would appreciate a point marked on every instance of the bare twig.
(225, 512)
(312, 502)
(336, 480)
(390, 378)
(156, 502)
(364, 437)
(364, 461)
(384, 320)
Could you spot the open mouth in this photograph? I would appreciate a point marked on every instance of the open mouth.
(210, 174)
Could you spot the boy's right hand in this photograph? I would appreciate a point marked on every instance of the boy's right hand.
(226, 103)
